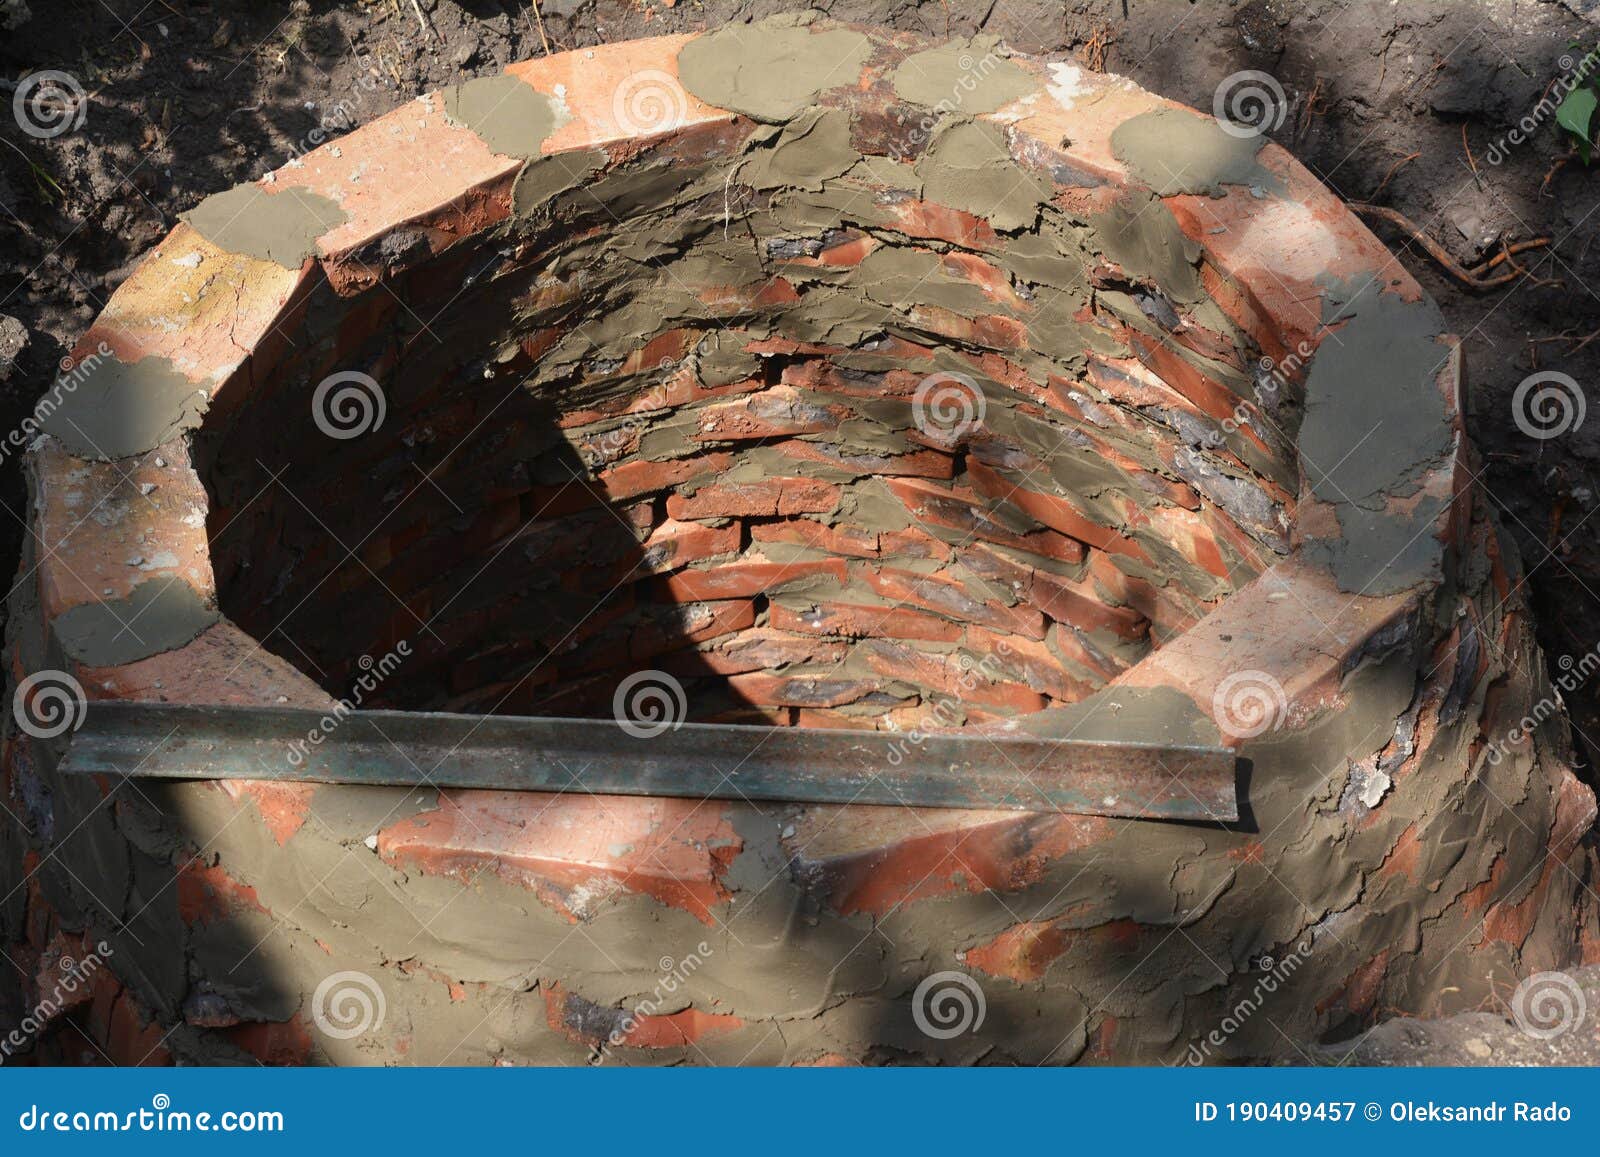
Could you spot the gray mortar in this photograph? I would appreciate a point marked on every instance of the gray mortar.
(1140, 234)
(770, 70)
(1180, 151)
(281, 225)
(969, 75)
(1375, 419)
(969, 166)
(1374, 424)
(1143, 714)
(158, 615)
(1383, 553)
(513, 118)
(543, 179)
(812, 148)
(124, 408)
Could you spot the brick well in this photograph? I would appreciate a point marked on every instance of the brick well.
(930, 522)
(764, 399)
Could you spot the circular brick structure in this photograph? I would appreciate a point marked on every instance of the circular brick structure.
(828, 377)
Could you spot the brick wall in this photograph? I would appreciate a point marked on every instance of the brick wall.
(784, 525)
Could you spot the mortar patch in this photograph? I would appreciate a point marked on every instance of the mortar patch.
(970, 167)
(950, 75)
(1374, 415)
(768, 70)
(158, 615)
(513, 118)
(127, 408)
(1176, 151)
(281, 227)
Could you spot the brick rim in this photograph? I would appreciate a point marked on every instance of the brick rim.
(163, 312)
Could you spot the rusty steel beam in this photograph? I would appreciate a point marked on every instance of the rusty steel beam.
(695, 760)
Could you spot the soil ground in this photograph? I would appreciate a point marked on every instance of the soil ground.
(1405, 103)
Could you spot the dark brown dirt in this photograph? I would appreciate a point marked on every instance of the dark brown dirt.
(186, 99)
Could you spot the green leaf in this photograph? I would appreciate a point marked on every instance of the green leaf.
(1577, 110)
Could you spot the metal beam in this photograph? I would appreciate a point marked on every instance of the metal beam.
(694, 760)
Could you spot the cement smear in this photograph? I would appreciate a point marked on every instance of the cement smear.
(281, 225)
(771, 69)
(158, 615)
(513, 118)
(1178, 151)
(126, 408)
(970, 75)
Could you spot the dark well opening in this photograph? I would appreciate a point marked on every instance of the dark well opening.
(829, 457)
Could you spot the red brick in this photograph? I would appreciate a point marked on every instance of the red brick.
(1211, 397)
(673, 544)
(645, 477)
(1057, 513)
(821, 690)
(1071, 644)
(925, 463)
(1029, 660)
(822, 375)
(995, 283)
(746, 577)
(855, 621)
(778, 412)
(1166, 607)
(768, 498)
(755, 649)
(826, 718)
(957, 675)
(941, 507)
(1061, 598)
(694, 623)
(928, 219)
(854, 541)
(681, 389)
(949, 597)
